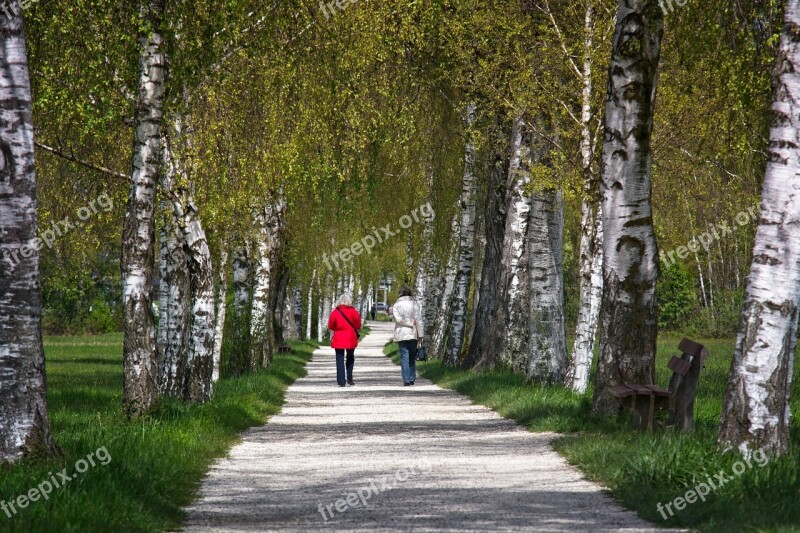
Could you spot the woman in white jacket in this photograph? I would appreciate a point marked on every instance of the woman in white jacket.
(408, 330)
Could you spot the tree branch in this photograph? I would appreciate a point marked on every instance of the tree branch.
(92, 166)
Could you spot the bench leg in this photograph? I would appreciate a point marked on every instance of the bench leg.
(643, 409)
(638, 412)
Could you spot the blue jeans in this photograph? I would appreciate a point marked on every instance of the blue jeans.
(408, 360)
(340, 365)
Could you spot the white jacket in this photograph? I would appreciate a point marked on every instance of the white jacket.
(407, 320)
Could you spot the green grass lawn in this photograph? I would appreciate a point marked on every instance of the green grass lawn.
(156, 464)
(641, 470)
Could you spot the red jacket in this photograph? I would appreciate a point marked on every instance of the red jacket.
(344, 338)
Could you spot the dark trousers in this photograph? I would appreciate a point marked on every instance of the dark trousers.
(340, 365)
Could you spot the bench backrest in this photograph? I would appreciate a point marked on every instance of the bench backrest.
(683, 385)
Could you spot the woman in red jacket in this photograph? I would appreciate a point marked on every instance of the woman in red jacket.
(345, 323)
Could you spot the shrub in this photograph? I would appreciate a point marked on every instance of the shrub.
(676, 297)
(719, 321)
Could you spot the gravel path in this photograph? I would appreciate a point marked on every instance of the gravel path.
(421, 458)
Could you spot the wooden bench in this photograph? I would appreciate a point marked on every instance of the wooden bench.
(646, 401)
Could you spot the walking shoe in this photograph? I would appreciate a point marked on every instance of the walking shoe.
(351, 382)
(412, 382)
(406, 384)
(341, 385)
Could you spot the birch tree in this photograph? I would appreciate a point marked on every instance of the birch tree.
(141, 389)
(297, 311)
(490, 286)
(310, 308)
(547, 350)
(425, 289)
(438, 336)
(509, 332)
(591, 251)
(456, 328)
(199, 370)
(221, 312)
(270, 223)
(24, 419)
(174, 290)
(756, 409)
(189, 338)
(240, 319)
(629, 310)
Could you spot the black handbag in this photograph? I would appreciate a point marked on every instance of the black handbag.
(358, 333)
(422, 355)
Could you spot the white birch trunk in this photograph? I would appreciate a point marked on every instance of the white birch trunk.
(198, 385)
(457, 326)
(24, 420)
(141, 373)
(547, 350)
(297, 312)
(425, 264)
(222, 306)
(591, 293)
(240, 321)
(267, 274)
(696, 255)
(241, 280)
(409, 259)
(287, 316)
(188, 371)
(327, 305)
(710, 282)
(174, 302)
(310, 309)
(262, 270)
(475, 293)
(442, 317)
(591, 246)
(174, 290)
(701, 276)
(629, 310)
(489, 287)
(361, 298)
(427, 292)
(509, 333)
(756, 410)
(370, 301)
(320, 316)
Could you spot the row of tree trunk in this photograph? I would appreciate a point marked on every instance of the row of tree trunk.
(518, 315)
(518, 305)
(180, 356)
(518, 312)
(520, 285)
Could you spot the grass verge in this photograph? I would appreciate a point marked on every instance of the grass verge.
(156, 464)
(643, 470)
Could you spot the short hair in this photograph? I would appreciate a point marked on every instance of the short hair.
(405, 291)
(345, 300)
